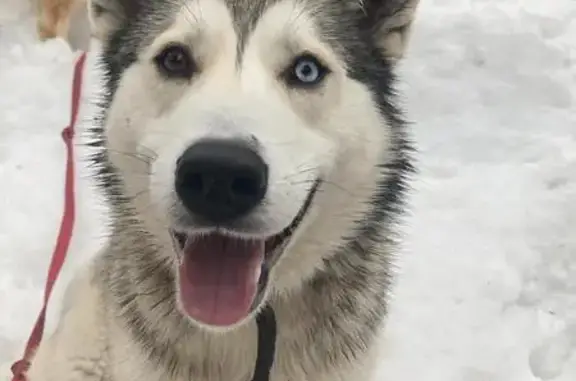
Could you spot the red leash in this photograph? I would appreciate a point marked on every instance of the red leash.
(20, 367)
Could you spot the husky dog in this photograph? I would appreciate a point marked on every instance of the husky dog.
(253, 155)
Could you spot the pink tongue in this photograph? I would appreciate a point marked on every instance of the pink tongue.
(219, 278)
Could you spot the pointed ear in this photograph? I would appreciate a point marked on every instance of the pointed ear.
(391, 23)
(107, 16)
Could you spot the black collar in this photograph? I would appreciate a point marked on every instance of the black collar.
(266, 322)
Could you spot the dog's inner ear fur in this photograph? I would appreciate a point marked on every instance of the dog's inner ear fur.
(106, 16)
(391, 23)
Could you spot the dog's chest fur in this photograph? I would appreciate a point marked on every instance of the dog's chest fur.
(324, 329)
(302, 354)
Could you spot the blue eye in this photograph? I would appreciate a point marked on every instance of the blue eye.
(306, 71)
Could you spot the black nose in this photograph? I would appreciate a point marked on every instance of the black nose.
(220, 180)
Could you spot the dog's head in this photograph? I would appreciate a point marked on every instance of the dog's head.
(251, 136)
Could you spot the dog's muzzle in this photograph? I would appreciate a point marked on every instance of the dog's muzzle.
(222, 272)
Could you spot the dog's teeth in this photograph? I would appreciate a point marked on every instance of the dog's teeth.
(180, 258)
(257, 274)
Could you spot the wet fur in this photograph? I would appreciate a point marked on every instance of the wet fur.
(329, 291)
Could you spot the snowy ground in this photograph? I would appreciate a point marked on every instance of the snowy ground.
(487, 284)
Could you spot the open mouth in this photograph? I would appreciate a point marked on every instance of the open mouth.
(222, 278)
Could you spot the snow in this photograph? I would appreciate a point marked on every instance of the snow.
(486, 286)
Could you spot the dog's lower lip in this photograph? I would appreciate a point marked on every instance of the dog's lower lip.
(180, 239)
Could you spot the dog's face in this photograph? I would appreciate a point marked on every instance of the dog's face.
(249, 134)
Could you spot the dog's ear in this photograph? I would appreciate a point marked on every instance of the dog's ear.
(107, 16)
(391, 24)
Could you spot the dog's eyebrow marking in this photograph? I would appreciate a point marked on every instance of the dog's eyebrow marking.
(245, 16)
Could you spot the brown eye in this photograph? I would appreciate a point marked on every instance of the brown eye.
(175, 62)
